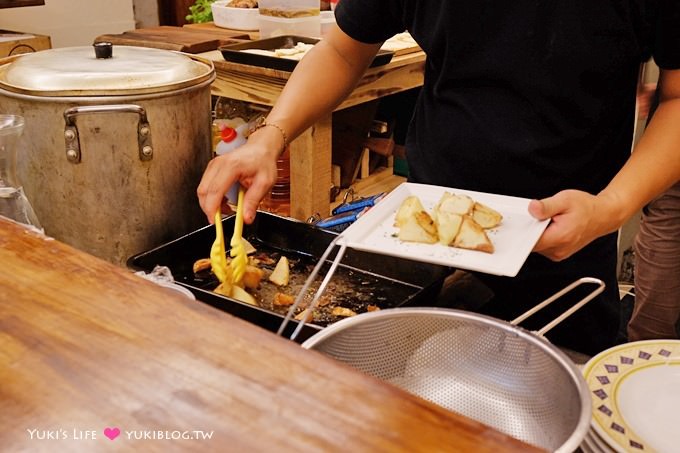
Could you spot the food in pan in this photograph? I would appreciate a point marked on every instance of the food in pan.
(251, 281)
(224, 289)
(281, 274)
(344, 312)
(241, 294)
(290, 274)
(248, 247)
(306, 315)
(252, 276)
(201, 265)
(296, 52)
(457, 220)
(283, 300)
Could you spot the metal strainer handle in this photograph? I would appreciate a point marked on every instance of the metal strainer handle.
(600, 287)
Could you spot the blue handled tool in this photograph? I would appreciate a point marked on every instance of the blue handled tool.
(361, 203)
(341, 219)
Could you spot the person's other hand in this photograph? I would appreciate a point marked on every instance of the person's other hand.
(253, 165)
(577, 219)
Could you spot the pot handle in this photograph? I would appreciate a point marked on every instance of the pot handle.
(73, 153)
(554, 297)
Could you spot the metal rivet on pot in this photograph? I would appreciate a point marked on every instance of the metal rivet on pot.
(72, 155)
(69, 135)
(147, 151)
(144, 131)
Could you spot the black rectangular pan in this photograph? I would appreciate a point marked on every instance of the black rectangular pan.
(233, 52)
(362, 279)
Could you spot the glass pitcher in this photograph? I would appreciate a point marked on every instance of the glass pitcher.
(13, 201)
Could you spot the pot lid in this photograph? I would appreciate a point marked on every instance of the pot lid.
(77, 70)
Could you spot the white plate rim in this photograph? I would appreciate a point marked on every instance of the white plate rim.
(589, 445)
(597, 443)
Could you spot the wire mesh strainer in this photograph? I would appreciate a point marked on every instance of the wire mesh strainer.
(486, 369)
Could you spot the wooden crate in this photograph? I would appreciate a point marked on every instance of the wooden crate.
(16, 43)
(182, 39)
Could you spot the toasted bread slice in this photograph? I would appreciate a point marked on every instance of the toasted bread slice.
(407, 209)
(454, 204)
(485, 216)
(448, 226)
(418, 228)
(472, 237)
(426, 222)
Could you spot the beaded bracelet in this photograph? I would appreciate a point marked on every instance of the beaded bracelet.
(261, 122)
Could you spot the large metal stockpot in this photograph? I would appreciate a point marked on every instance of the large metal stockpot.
(113, 148)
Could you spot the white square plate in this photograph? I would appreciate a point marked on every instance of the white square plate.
(513, 239)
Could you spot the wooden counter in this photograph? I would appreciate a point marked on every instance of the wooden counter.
(86, 346)
(311, 152)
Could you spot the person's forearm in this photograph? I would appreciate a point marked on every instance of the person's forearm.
(653, 166)
(319, 83)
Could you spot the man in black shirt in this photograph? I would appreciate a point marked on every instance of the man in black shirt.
(526, 98)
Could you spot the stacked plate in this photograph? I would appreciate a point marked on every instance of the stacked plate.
(635, 389)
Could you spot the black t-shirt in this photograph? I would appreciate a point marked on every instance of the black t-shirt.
(523, 97)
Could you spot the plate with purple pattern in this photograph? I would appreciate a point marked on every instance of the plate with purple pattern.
(635, 388)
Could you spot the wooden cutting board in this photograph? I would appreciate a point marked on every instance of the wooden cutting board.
(189, 40)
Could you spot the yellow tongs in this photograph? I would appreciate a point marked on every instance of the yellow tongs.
(233, 271)
(238, 249)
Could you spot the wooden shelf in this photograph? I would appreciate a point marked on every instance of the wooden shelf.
(380, 181)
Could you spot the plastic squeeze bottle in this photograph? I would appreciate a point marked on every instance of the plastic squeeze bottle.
(230, 140)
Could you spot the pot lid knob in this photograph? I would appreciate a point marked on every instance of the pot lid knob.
(103, 49)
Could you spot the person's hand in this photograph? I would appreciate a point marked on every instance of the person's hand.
(253, 165)
(577, 219)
